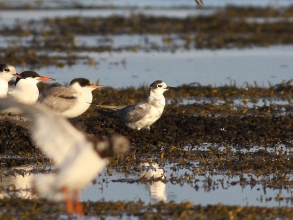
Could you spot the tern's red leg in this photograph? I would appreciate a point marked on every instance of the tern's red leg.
(78, 204)
(68, 201)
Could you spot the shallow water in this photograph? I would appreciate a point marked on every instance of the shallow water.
(155, 59)
(206, 67)
(204, 189)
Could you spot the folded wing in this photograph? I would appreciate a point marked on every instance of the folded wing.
(59, 99)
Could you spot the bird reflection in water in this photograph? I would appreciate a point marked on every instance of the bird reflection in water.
(154, 177)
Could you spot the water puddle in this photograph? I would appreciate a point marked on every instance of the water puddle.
(225, 67)
(154, 183)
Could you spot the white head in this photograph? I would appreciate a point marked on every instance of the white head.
(159, 87)
(7, 72)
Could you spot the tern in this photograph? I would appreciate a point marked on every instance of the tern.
(25, 89)
(70, 101)
(77, 159)
(142, 114)
(7, 72)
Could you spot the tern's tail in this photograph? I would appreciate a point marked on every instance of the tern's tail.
(108, 113)
(44, 185)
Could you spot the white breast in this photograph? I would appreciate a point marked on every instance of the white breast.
(81, 105)
(3, 88)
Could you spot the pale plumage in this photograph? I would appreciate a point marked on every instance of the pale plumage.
(7, 72)
(142, 114)
(25, 89)
(78, 160)
(70, 101)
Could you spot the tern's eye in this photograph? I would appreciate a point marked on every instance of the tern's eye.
(160, 86)
(6, 70)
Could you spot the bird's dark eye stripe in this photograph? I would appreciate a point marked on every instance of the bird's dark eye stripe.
(7, 70)
(159, 85)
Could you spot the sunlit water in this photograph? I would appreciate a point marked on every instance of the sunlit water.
(206, 67)
(223, 189)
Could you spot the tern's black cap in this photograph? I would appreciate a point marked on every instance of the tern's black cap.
(156, 83)
(4, 66)
(81, 81)
(26, 74)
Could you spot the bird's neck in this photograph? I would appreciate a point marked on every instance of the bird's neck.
(157, 99)
(26, 92)
(84, 93)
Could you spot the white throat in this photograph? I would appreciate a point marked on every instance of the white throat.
(25, 91)
(83, 98)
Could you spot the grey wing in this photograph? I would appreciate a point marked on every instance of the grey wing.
(134, 113)
(58, 99)
(51, 132)
(110, 107)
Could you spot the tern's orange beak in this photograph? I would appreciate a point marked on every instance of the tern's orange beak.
(97, 86)
(45, 78)
(17, 75)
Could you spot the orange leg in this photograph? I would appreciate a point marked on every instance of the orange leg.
(78, 204)
(68, 201)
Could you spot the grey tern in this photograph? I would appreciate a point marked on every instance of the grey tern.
(142, 114)
(70, 101)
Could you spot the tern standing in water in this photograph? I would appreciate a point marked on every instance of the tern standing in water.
(78, 160)
(142, 114)
(70, 101)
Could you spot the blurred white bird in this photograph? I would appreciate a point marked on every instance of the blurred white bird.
(78, 160)
(142, 114)
(70, 101)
